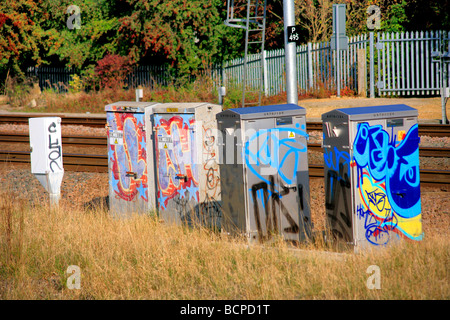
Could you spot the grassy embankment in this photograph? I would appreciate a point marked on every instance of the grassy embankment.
(142, 258)
(203, 89)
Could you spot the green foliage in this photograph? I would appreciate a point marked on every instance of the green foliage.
(78, 47)
(18, 37)
(396, 18)
(76, 84)
(190, 35)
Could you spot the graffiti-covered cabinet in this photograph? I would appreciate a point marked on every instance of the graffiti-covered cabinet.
(129, 158)
(371, 169)
(186, 162)
(264, 172)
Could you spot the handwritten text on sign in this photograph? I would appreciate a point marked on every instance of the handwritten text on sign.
(54, 146)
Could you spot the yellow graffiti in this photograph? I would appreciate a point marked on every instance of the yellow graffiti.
(374, 198)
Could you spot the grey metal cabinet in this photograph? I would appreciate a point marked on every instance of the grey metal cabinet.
(186, 169)
(372, 176)
(264, 172)
(163, 158)
(130, 190)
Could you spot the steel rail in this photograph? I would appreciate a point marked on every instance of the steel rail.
(98, 141)
(99, 120)
(71, 161)
(94, 120)
(75, 140)
(99, 163)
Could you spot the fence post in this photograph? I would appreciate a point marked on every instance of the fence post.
(266, 87)
(362, 72)
(310, 65)
(372, 65)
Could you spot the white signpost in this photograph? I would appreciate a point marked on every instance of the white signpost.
(46, 154)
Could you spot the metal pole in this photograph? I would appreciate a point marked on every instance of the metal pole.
(443, 86)
(310, 66)
(266, 85)
(290, 53)
(338, 56)
(139, 94)
(443, 73)
(372, 65)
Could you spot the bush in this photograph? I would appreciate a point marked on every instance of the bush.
(112, 71)
(76, 84)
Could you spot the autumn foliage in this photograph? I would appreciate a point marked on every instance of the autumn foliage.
(112, 70)
(188, 35)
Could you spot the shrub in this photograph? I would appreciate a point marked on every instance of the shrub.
(112, 71)
(76, 84)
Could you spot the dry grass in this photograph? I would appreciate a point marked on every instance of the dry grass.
(201, 90)
(142, 258)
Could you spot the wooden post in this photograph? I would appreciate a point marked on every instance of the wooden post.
(362, 73)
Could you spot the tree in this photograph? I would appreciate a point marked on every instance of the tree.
(426, 15)
(112, 71)
(189, 34)
(78, 47)
(315, 17)
(19, 37)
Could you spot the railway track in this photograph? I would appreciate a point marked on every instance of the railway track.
(99, 163)
(72, 161)
(89, 141)
(99, 121)
(94, 120)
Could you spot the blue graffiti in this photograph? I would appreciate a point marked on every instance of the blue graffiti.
(398, 165)
(267, 153)
(333, 159)
(377, 229)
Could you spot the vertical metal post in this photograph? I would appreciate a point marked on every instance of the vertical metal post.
(338, 56)
(265, 80)
(443, 86)
(139, 94)
(310, 66)
(372, 65)
(290, 53)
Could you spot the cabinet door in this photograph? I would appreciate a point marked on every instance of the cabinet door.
(292, 185)
(386, 169)
(261, 176)
(127, 157)
(338, 179)
(275, 154)
(176, 166)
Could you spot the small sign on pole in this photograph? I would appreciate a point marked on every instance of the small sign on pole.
(293, 33)
(46, 154)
